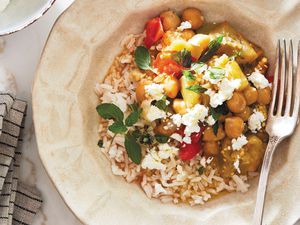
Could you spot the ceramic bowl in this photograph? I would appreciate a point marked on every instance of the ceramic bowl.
(21, 13)
(78, 53)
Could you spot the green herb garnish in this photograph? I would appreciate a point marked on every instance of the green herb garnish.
(161, 138)
(197, 67)
(111, 111)
(188, 75)
(216, 73)
(216, 113)
(162, 103)
(215, 128)
(118, 127)
(213, 47)
(142, 58)
(196, 88)
(133, 149)
(201, 170)
(134, 116)
(183, 57)
(100, 143)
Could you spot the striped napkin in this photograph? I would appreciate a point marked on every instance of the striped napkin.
(18, 203)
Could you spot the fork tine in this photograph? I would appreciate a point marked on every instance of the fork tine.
(282, 80)
(289, 85)
(297, 87)
(275, 81)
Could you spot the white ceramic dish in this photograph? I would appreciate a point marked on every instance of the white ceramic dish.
(79, 52)
(21, 13)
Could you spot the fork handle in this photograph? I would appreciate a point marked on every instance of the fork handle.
(263, 180)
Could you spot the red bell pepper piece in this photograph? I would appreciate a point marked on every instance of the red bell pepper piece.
(189, 151)
(154, 31)
(168, 66)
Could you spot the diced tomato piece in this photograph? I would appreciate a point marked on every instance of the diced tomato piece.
(196, 137)
(189, 151)
(168, 66)
(154, 31)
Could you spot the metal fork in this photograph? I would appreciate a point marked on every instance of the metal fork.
(283, 115)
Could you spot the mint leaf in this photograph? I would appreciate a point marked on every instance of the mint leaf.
(134, 116)
(213, 47)
(142, 58)
(162, 103)
(110, 111)
(133, 149)
(216, 73)
(118, 127)
(188, 75)
(196, 88)
(183, 57)
(161, 138)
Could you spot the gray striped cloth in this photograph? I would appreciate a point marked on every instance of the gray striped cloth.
(18, 203)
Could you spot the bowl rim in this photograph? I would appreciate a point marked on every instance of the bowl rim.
(30, 21)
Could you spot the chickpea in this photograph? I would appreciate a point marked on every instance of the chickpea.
(140, 90)
(262, 135)
(170, 20)
(264, 96)
(171, 86)
(234, 126)
(209, 135)
(245, 114)
(251, 95)
(205, 99)
(179, 106)
(166, 127)
(194, 16)
(187, 34)
(211, 148)
(237, 103)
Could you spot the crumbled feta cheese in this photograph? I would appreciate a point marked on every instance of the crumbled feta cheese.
(187, 140)
(184, 25)
(226, 89)
(176, 137)
(153, 161)
(238, 143)
(193, 117)
(207, 76)
(210, 120)
(255, 121)
(177, 119)
(259, 80)
(166, 151)
(3, 4)
(151, 112)
(236, 165)
(156, 91)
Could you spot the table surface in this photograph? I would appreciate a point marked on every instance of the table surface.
(21, 57)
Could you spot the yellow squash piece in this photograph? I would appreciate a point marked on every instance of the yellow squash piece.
(190, 98)
(178, 45)
(234, 71)
(199, 43)
(234, 44)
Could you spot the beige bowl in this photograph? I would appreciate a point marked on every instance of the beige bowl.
(78, 53)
